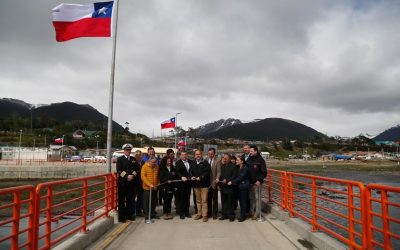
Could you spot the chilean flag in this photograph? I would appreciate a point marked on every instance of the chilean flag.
(168, 123)
(59, 140)
(88, 20)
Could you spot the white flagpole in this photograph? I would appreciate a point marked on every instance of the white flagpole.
(111, 94)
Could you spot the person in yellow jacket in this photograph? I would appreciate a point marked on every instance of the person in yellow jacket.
(150, 179)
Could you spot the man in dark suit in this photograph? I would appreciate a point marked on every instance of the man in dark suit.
(183, 166)
(228, 173)
(127, 172)
(212, 201)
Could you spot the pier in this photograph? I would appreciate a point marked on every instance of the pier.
(301, 211)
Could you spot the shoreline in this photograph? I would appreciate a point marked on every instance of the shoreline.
(318, 165)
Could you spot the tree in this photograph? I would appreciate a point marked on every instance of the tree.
(287, 145)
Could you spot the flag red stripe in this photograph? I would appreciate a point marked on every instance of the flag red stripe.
(86, 27)
(168, 125)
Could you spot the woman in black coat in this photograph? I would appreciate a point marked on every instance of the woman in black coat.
(167, 174)
(243, 183)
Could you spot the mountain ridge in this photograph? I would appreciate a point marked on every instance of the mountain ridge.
(391, 134)
(61, 112)
(267, 129)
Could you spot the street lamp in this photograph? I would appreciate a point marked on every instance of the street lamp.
(19, 146)
(176, 132)
(97, 144)
(31, 109)
(62, 147)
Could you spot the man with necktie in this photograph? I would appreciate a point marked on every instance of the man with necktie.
(200, 173)
(215, 172)
(183, 166)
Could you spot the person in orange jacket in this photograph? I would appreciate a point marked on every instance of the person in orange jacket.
(150, 178)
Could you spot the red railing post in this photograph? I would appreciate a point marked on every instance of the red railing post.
(290, 200)
(368, 217)
(314, 205)
(84, 205)
(282, 179)
(31, 221)
(115, 190)
(107, 193)
(36, 217)
(385, 221)
(15, 224)
(364, 215)
(49, 202)
(350, 214)
(286, 189)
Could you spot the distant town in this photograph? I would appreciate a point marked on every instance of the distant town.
(50, 133)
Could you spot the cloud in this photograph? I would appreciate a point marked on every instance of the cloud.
(332, 65)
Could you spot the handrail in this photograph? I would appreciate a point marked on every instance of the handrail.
(336, 218)
(379, 218)
(332, 205)
(83, 200)
(22, 202)
(359, 216)
(278, 183)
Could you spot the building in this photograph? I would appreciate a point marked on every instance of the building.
(59, 152)
(80, 134)
(23, 153)
(160, 152)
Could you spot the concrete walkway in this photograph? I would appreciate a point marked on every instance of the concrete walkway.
(189, 234)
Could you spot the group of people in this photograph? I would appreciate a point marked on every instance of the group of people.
(235, 178)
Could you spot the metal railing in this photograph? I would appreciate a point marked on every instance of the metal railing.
(360, 217)
(41, 217)
(383, 216)
(334, 206)
(66, 207)
(277, 188)
(17, 204)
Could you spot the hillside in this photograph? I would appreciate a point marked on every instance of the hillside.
(267, 129)
(392, 134)
(215, 126)
(10, 106)
(57, 112)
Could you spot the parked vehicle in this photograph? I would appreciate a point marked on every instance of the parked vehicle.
(100, 158)
(75, 158)
(88, 159)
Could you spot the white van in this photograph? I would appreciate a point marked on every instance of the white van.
(100, 158)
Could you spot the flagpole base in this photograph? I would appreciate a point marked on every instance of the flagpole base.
(261, 219)
(149, 221)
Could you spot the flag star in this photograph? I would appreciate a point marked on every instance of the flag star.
(103, 10)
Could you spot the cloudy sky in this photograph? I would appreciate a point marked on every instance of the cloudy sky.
(332, 65)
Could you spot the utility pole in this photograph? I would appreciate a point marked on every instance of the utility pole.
(33, 149)
(31, 109)
(97, 144)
